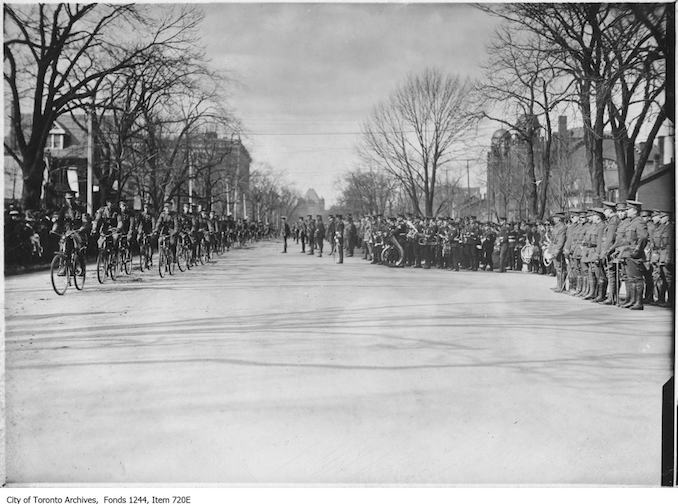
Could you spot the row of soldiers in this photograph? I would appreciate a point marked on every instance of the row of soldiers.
(601, 248)
(426, 242)
(311, 233)
(589, 251)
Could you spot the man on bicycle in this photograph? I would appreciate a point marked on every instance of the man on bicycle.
(125, 224)
(213, 227)
(72, 223)
(106, 220)
(167, 224)
(145, 224)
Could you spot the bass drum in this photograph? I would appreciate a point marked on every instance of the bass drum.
(393, 254)
(526, 253)
(547, 257)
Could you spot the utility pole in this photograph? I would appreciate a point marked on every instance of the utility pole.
(90, 160)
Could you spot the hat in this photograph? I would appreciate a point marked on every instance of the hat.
(609, 204)
(14, 212)
(283, 217)
(339, 216)
(635, 204)
(621, 206)
(646, 212)
(597, 211)
(331, 216)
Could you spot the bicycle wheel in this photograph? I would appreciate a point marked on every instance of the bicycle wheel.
(79, 271)
(142, 257)
(126, 257)
(102, 266)
(171, 261)
(59, 273)
(113, 265)
(182, 257)
(162, 260)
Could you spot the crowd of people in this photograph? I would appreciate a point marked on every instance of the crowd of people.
(32, 236)
(591, 252)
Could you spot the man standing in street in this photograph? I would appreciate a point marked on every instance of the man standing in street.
(331, 227)
(558, 245)
(301, 225)
(310, 234)
(285, 232)
(339, 238)
(319, 234)
(634, 254)
(503, 237)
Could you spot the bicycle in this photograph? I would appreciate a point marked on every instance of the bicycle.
(124, 255)
(145, 252)
(106, 260)
(67, 262)
(165, 259)
(183, 253)
(204, 254)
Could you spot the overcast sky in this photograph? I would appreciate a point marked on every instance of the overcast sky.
(311, 73)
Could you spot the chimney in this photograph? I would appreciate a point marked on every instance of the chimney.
(562, 127)
(668, 145)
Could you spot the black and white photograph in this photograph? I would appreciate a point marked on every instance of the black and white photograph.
(395, 244)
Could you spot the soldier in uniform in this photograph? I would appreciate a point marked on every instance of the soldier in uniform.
(310, 234)
(614, 248)
(559, 238)
(331, 227)
(503, 237)
(301, 225)
(319, 234)
(646, 215)
(351, 235)
(339, 238)
(285, 233)
(581, 252)
(487, 247)
(593, 242)
(634, 255)
(664, 264)
(608, 294)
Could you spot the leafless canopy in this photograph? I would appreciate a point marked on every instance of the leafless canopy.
(421, 127)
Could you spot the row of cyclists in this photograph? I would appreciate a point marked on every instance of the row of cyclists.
(119, 226)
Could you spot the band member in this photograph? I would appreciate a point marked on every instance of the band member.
(339, 238)
(319, 234)
(285, 232)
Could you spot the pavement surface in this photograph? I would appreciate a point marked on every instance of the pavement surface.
(264, 368)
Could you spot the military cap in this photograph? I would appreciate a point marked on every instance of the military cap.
(646, 212)
(339, 216)
(609, 204)
(318, 215)
(635, 204)
(309, 215)
(330, 215)
(559, 215)
(283, 217)
(597, 211)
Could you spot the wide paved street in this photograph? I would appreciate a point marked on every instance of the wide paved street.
(272, 368)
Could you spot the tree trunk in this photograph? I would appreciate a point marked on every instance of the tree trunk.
(33, 170)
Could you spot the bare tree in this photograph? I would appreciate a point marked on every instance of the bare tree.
(366, 192)
(58, 54)
(417, 130)
(636, 102)
(520, 90)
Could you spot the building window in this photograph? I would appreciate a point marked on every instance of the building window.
(55, 141)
